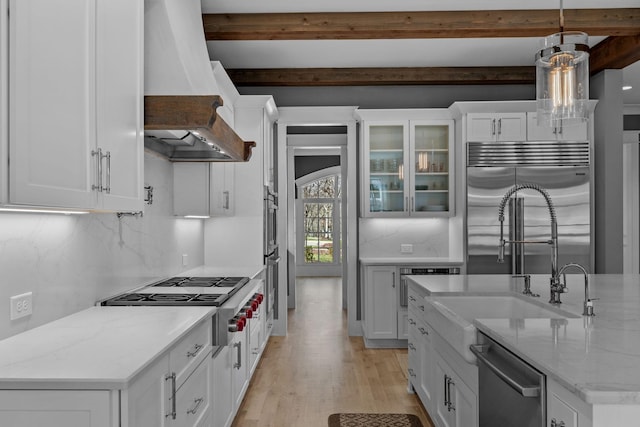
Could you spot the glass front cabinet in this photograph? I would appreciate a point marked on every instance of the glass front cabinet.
(408, 168)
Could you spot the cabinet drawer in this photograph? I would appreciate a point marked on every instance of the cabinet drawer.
(193, 398)
(416, 299)
(186, 355)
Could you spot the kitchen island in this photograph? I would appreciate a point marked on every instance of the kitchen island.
(594, 360)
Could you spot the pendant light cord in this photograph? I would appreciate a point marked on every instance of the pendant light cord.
(561, 23)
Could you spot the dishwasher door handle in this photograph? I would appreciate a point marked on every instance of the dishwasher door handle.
(525, 390)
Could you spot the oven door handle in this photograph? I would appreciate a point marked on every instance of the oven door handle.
(525, 390)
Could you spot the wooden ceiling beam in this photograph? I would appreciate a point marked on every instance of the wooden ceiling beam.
(614, 53)
(382, 76)
(433, 24)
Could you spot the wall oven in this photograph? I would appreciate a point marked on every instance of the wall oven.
(271, 252)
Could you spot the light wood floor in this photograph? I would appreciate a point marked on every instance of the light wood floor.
(317, 369)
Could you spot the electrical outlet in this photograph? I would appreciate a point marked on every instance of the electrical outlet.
(185, 260)
(406, 248)
(21, 305)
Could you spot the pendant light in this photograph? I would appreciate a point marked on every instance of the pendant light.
(562, 78)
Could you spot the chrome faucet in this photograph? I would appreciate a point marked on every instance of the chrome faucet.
(556, 287)
(588, 302)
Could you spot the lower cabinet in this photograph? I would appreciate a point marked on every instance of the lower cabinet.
(222, 406)
(58, 408)
(384, 316)
(456, 405)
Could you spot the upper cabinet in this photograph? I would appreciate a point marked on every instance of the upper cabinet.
(408, 168)
(75, 105)
(202, 189)
(535, 132)
(493, 127)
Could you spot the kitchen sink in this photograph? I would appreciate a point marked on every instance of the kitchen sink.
(452, 316)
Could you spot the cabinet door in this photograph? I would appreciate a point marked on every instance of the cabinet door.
(222, 189)
(52, 104)
(191, 189)
(427, 378)
(222, 398)
(149, 397)
(119, 102)
(403, 325)
(432, 173)
(441, 403)
(57, 408)
(511, 127)
(240, 366)
(481, 127)
(380, 315)
(465, 403)
(193, 398)
(386, 169)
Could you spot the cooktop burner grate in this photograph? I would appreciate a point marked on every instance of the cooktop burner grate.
(223, 282)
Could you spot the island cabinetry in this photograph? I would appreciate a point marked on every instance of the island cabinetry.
(564, 409)
(496, 127)
(203, 189)
(407, 167)
(455, 403)
(535, 132)
(420, 357)
(75, 124)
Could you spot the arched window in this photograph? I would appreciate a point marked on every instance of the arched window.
(318, 225)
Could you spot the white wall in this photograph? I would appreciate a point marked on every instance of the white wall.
(69, 262)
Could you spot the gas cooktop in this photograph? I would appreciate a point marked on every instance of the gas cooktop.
(197, 291)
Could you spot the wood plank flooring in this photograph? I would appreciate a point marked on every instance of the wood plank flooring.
(317, 369)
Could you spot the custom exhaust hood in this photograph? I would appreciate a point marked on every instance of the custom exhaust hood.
(182, 97)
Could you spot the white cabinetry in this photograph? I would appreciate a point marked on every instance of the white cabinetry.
(75, 106)
(492, 127)
(203, 189)
(578, 132)
(407, 167)
(456, 405)
(564, 409)
(421, 358)
(380, 303)
(57, 408)
(222, 406)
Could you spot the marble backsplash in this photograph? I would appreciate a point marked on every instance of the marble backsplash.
(430, 237)
(71, 261)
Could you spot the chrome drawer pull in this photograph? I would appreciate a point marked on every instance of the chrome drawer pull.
(197, 402)
(172, 377)
(196, 350)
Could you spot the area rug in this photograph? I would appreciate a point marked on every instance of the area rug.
(374, 420)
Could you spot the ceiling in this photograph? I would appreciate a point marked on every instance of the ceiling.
(341, 42)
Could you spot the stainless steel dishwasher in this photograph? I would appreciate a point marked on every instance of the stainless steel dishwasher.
(510, 391)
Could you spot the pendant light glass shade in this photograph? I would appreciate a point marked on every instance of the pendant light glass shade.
(562, 79)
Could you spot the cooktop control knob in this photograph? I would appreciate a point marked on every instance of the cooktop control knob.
(254, 305)
(260, 298)
(248, 312)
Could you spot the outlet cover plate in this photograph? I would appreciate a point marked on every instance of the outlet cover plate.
(21, 305)
(406, 248)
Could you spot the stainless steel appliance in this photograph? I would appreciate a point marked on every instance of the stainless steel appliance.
(510, 391)
(419, 271)
(237, 298)
(271, 252)
(563, 169)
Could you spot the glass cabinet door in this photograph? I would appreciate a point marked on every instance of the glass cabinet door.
(430, 192)
(386, 168)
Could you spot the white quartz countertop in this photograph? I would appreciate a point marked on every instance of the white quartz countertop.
(410, 260)
(597, 358)
(97, 348)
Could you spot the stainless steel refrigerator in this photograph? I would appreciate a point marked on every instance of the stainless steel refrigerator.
(561, 168)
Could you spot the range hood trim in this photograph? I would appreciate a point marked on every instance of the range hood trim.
(197, 115)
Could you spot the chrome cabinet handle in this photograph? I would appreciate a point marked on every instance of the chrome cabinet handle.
(196, 350)
(423, 331)
(493, 126)
(225, 198)
(450, 405)
(98, 154)
(413, 204)
(411, 298)
(393, 279)
(499, 126)
(411, 373)
(412, 347)
(108, 186)
(422, 307)
(197, 402)
(172, 377)
(446, 396)
(411, 321)
(238, 364)
(555, 423)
